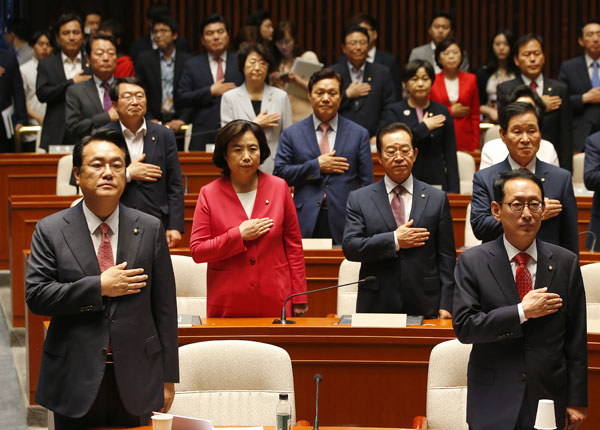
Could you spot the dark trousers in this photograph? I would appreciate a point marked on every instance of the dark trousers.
(107, 410)
(322, 226)
(526, 418)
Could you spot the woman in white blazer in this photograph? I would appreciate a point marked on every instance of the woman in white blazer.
(256, 101)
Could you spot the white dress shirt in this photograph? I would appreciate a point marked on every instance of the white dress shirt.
(71, 67)
(331, 132)
(452, 89)
(371, 54)
(539, 82)
(590, 67)
(214, 64)
(357, 75)
(511, 251)
(515, 166)
(93, 223)
(135, 141)
(495, 151)
(29, 74)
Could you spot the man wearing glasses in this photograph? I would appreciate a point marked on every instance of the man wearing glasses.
(400, 229)
(521, 303)
(520, 132)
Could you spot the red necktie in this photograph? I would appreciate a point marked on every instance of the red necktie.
(398, 205)
(220, 74)
(105, 254)
(533, 86)
(324, 142)
(522, 277)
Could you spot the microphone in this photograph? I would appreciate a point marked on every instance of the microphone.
(317, 379)
(284, 321)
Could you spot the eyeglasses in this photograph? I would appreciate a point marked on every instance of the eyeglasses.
(354, 43)
(404, 152)
(129, 96)
(162, 31)
(517, 207)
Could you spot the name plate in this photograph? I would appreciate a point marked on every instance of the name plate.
(379, 320)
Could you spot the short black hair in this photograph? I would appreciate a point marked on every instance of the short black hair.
(211, 19)
(114, 87)
(326, 73)
(525, 91)
(445, 44)
(98, 36)
(92, 12)
(507, 175)
(36, 35)
(113, 26)
(390, 128)
(20, 27)
(354, 29)
(68, 17)
(257, 18)
(364, 18)
(104, 134)
(588, 22)
(233, 130)
(526, 38)
(442, 14)
(412, 67)
(261, 50)
(515, 109)
(167, 20)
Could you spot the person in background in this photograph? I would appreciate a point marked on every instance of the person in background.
(261, 19)
(11, 94)
(245, 227)
(457, 91)
(42, 48)
(432, 127)
(256, 101)
(286, 51)
(112, 27)
(91, 22)
(499, 67)
(248, 35)
(17, 36)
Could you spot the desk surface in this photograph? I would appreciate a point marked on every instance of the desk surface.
(273, 428)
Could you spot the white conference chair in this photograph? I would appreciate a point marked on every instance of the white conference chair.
(470, 239)
(190, 282)
(346, 296)
(591, 274)
(491, 133)
(578, 184)
(466, 171)
(63, 177)
(187, 138)
(233, 382)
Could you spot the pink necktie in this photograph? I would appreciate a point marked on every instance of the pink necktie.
(220, 74)
(105, 254)
(522, 277)
(398, 205)
(324, 142)
(107, 103)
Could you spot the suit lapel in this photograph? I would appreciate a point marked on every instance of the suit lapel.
(243, 98)
(130, 236)
(419, 202)
(545, 270)
(548, 87)
(500, 268)
(267, 99)
(542, 173)
(231, 68)
(445, 100)
(82, 249)
(382, 203)
(462, 88)
(310, 136)
(341, 137)
(92, 93)
(156, 66)
(150, 142)
(205, 66)
(582, 72)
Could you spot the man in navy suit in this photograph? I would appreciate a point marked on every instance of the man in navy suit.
(582, 76)
(520, 131)
(56, 74)
(205, 79)
(521, 303)
(556, 126)
(324, 157)
(591, 177)
(11, 93)
(154, 181)
(400, 229)
(368, 87)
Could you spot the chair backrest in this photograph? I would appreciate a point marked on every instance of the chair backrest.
(187, 138)
(233, 382)
(190, 282)
(346, 296)
(591, 274)
(491, 133)
(447, 386)
(466, 170)
(63, 177)
(470, 239)
(577, 178)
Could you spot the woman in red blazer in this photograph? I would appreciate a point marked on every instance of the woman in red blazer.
(458, 91)
(246, 228)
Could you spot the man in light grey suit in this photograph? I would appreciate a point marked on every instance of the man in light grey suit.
(102, 271)
(88, 104)
(441, 27)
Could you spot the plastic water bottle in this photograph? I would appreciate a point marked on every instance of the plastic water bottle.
(284, 413)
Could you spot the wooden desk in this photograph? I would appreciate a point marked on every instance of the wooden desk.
(273, 428)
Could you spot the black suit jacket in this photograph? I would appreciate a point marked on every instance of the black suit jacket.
(436, 162)
(163, 198)
(83, 110)
(417, 281)
(547, 355)
(11, 93)
(391, 62)
(193, 91)
(556, 126)
(147, 70)
(63, 282)
(144, 44)
(368, 110)
(586, 117)
(51, 87)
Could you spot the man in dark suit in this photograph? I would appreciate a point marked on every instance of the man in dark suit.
(206, 78)
(11, 93)
(519, 130)
(88, 104)
(154, 176)
(368, 87)
(556, 126)
(582, 76)
(159, 72)
(102, 271)
(591, 177)
(400, 229)
(324, 157)
(56, 74)
(528, 344)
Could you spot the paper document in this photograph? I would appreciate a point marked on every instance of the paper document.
(189, 423)
(303, 69)
(7, 119)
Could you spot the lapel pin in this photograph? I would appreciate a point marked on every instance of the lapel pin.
(369, 79)
(266, 202)
(549, 88)
(153, 138)
(406, 112)
(543, 179)
(135, 230)
(422, 196)
(550, 268)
